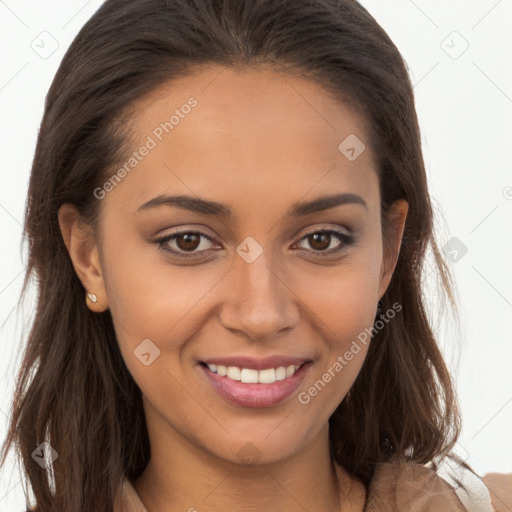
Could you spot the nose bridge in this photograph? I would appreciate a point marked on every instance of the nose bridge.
(256, 300)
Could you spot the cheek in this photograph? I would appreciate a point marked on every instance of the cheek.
(342, 300)
(343, 297)
(346, 307)
(148, 296)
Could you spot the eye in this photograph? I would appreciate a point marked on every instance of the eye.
(320, 241)
(186, 243)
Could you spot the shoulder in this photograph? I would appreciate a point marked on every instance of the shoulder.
(500, 489)
(442, 486)
(410, 486)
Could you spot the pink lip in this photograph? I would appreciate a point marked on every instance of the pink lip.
(257, 363)
(256, 395)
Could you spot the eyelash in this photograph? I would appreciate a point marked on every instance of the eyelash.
(161, 242)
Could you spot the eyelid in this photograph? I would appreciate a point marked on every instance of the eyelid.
(327, 229)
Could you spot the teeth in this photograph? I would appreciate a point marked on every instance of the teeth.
(234, 372)
(266, 376)
(250, 376)
(281, 373)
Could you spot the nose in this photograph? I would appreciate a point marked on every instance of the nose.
(257, 300)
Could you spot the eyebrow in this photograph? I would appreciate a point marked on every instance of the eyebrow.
(206, 207)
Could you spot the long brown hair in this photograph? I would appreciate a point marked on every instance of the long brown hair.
(73, 389)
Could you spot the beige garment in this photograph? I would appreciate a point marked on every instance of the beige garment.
(500, 487)
(409, 488)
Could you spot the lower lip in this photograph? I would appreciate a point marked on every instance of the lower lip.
(256, 395)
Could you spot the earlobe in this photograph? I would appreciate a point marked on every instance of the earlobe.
(391, 248)
(83, 251)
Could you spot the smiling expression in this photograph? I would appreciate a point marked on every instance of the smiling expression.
(244, 233)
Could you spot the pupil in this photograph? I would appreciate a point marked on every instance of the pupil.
(318, 236)
(188, 238)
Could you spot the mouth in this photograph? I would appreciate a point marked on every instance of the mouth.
(247, 386)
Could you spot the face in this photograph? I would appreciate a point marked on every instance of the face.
(243, 274)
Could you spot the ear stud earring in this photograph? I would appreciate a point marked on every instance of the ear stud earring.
(92, 297)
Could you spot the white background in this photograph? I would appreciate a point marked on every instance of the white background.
(464, 105)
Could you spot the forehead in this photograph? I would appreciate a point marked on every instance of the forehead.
(246, 134)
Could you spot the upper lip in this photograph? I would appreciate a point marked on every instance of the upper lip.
(254, 363)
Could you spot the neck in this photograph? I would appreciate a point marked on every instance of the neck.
(182, 476)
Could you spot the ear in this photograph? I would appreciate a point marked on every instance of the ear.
(83, 251)
(391, 247)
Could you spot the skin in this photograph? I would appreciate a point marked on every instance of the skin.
(258, 141)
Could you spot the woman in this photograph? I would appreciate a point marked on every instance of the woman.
(224, 193)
